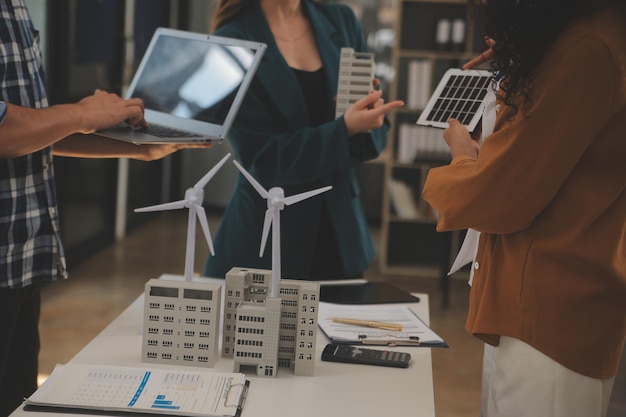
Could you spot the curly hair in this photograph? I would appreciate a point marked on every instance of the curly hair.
(524, 30)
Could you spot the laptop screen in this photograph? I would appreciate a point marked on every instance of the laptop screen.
(195, 77)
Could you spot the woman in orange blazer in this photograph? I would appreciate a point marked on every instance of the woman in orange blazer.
(547, 192)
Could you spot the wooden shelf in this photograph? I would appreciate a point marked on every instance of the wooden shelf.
(412, 246)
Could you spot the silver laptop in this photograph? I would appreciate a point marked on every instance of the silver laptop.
(192, 86)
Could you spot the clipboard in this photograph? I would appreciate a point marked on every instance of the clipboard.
(414, 331)
(120, 390)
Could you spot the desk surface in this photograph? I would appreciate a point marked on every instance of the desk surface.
(335, 390)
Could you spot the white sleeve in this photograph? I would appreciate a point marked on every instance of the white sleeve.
(469, 248)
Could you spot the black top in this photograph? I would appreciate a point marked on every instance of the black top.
(327, 262)
(316, 97)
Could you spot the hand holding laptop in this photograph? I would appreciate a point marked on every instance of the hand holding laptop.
(156, 151)
(96, 146)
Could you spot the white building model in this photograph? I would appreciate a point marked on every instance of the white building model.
(356, 75)
(181, 322)
(269, 323)
(266, 333)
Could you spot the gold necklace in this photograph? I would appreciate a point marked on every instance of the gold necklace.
(294, 39)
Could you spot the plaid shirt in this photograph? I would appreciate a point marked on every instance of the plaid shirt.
(30, 245)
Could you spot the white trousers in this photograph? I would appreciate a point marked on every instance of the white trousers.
(520, 381)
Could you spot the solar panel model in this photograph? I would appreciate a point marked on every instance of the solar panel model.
(356, 75)
(459, 95)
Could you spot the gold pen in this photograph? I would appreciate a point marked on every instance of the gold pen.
(368, 323)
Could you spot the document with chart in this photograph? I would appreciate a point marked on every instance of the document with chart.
(154, 391)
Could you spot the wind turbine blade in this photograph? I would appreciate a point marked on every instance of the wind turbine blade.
(162, 207)
(258, 187)
(207, 177)
(266, 230)
(205, 226)
(303, 196)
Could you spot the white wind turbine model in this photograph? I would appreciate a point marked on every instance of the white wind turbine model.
(276, 201)
(193, 201)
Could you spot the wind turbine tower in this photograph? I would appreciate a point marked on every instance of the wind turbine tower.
(276, 201)
(194, 197)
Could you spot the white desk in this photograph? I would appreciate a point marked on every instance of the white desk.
(336, 390)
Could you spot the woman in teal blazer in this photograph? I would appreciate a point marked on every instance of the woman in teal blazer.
(285, 135)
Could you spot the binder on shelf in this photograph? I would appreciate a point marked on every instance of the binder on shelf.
(414, 331)
(419, 74)
(420, 143)
(129, 390)
(403, 200)
(430, 144)
(406, 143)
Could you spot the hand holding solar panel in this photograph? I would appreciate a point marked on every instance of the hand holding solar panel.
(460, 95)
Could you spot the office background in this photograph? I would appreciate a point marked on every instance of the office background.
(97, 44)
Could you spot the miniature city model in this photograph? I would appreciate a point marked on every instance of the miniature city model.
(181, 318)
(181, 322)
(356, 76)
(267, 333)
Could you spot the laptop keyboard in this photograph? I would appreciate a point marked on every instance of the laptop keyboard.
(166, 132)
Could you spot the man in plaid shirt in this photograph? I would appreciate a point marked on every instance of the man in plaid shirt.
(31, 252)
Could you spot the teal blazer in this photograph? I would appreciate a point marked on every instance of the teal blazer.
(273, 140)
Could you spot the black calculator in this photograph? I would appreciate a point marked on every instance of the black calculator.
(355, 354)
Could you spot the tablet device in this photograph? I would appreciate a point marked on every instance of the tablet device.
(365, 293)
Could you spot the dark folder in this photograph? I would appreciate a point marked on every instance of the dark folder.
(365, 293)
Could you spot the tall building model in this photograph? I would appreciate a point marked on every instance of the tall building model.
(267, 333)
(356, 74)
(257, 337)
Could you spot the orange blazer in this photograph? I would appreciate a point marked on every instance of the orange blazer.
(547, 193)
